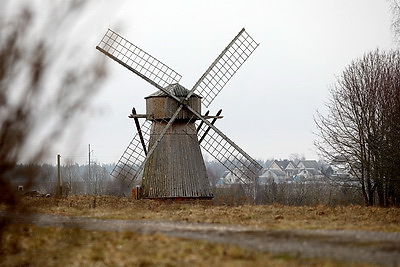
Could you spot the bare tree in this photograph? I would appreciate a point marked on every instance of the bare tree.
(362, 126)
(70, 175)
(97, 179)
(44, 82)
(47, 175)
(395, 8)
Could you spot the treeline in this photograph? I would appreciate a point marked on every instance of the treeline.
(291, 194)
(96, 180)
(75, 179)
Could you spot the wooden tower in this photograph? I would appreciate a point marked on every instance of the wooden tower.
(176, 169)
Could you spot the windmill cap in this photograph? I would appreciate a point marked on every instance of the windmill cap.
(175, 89)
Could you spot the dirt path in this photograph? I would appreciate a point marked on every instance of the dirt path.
(349, 246)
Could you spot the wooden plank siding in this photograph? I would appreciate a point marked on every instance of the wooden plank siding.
(176, 169)
(162, 108)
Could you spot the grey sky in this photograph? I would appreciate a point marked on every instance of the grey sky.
(270, 103)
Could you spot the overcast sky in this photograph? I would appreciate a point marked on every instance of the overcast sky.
(268, 106)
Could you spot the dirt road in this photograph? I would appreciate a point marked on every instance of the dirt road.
(349, 246)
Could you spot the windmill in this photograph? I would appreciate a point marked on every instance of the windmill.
(166, 149)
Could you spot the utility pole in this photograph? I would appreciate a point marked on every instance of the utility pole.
(89, 164)
(90, 174)
(59, 186)
(90, 171)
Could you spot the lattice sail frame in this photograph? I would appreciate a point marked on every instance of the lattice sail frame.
(224, 67)
(244, 167)
(135, 59)
(133, 156)
(210, 84)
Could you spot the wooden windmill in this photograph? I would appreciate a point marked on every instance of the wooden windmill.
(166, 149)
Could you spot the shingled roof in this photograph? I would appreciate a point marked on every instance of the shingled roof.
(281, 163)
(175, 89)
(309, 164)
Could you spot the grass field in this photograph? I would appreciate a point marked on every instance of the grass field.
(49, 246)
(270, 216)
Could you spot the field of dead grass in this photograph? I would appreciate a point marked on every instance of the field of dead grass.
(269, 216)
(50, 246)
(27, 245)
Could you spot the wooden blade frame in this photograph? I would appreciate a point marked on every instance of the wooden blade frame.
(133, 156)
(136, 60)
(225, 66)
(226, 152)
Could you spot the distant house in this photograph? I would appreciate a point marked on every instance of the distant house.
(340, 170)
(308, 170)
(307, 175)
(307, 164)
(287, 166)
(272, 175)
(229, 190)
(227, 179)
(327, 170)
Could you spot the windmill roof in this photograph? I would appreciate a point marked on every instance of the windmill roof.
(175, 89)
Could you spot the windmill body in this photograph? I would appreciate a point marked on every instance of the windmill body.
(166, 149)
(176, 169)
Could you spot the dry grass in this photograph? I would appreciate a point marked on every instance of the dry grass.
(270, 216)
(26, 245)
(39, 246)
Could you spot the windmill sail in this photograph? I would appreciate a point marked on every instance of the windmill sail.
(136, 60)
(224, 67)
(128, 165)
(230, 155)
